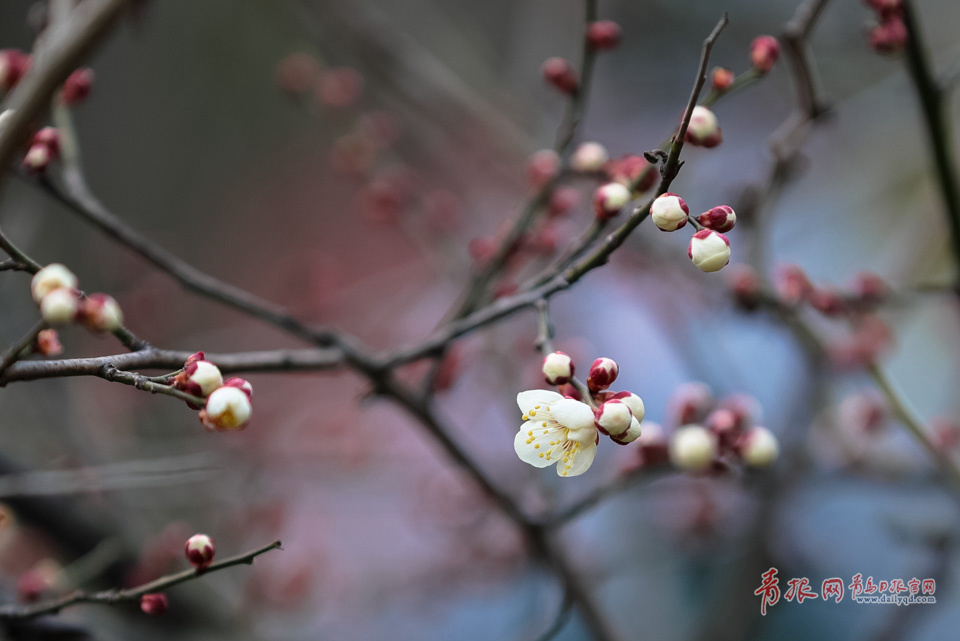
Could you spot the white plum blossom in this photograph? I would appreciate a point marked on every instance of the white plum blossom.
(556, 430)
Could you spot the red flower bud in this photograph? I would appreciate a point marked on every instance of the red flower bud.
(764, 51)
(77, 86)
(603, 372)
(890, 36)
(721, 219)
(561, 75)
(604, 34)
(153, 604)
(722, 78)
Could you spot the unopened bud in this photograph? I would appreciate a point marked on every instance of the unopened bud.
(101, 313)
(764, 51)
(613, 418)
(13, 65)
(669, 212)
(199, 377)
(153, 604)
(569, 391)
(47, 343)
(691, 402)
(709, 250)
(562, 200)
(77, 86)
(53, 276)
(723, 424)
(241, 384)
(559, 73)
(759, 447)
(339, 87)
(692, 448)
(632, 434)
(631, 400)
(890, 36)
(59, 306)
(609, 199)
(227, 408)
(793, 286)
(199, 551)
(603, 372)
(557, 368)
(885, 7)
(703, 130)
(37, 159)
(542, 167)
(604, 34)
(745, 285)
(589, 158)
(721, 219)
(721, 78)
(633, 171)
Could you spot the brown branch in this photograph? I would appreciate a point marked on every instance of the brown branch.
(152, 358)
(63, 50)
(937, 123)
(111, 597)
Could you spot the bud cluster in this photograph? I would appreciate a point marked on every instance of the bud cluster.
(709, 249)
(54, 289)
(228, 405)
(869, 337)
(44, 148)
(707, 435)
(616, 414)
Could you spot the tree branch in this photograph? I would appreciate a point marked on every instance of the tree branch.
(110, 597)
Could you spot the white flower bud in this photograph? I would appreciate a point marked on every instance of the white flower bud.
(557, 368)
(205, 375)
(669, 212)
(609, 199)
(199, 550)
(101, 313)
(709, 250)
(59, 306)
(692, 448)
(630, 435)
(631, 400)
(703, 130)
(53, 276)
(37, 158)
(589, 158)
(759, 447)
(613, 417)
(227, 408)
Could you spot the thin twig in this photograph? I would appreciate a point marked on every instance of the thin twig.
(110, 597)
(15, 351)
(936, 121)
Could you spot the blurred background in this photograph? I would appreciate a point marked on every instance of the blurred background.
(353, 203)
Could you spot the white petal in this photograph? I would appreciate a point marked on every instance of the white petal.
(579, 461)
(531, 398)
(535, 451)
(572, 414)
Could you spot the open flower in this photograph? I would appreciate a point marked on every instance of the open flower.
(557, 430)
